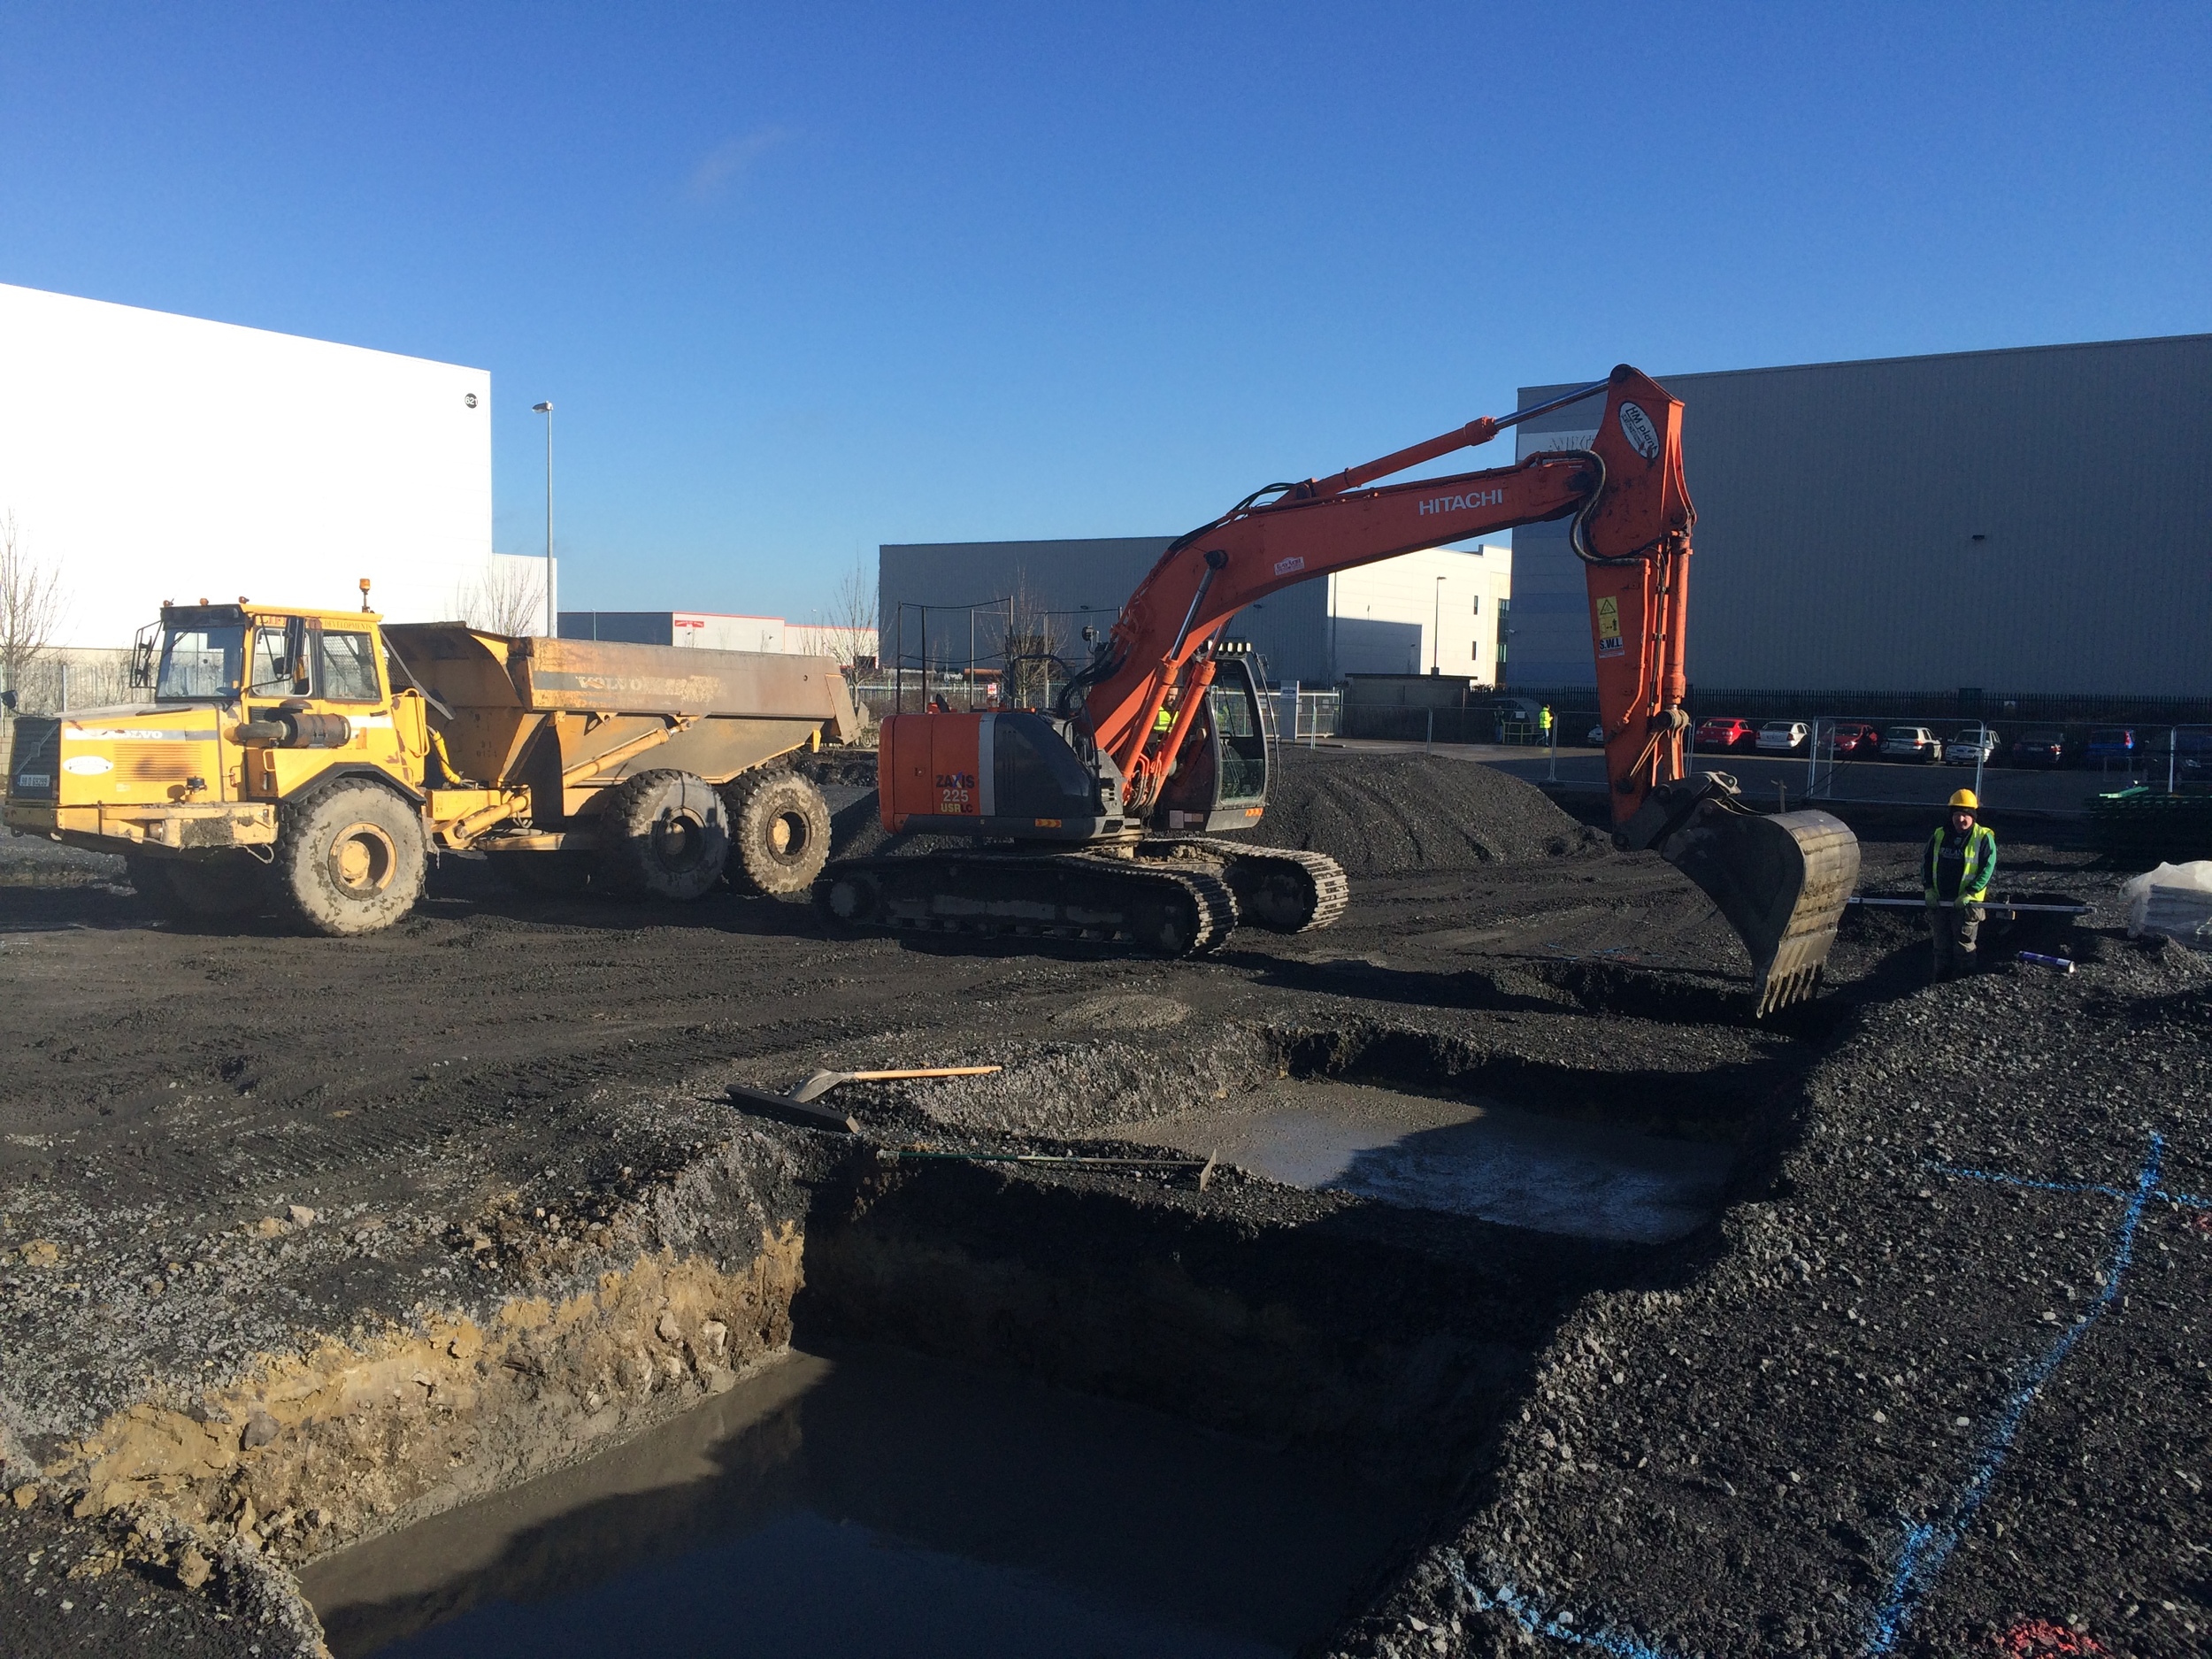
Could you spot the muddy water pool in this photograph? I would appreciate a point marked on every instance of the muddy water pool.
(1464, 1157)
(885, 1503)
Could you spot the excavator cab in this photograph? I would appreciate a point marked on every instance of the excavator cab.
(1220, 777)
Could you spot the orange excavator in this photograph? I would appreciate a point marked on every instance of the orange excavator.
(1103, 817)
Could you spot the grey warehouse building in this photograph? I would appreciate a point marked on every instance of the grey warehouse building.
(1076, 583)
(1437, 609)
(2022, 520)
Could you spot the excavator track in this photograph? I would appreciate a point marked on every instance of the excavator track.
(1184, 910)
(1281, 888)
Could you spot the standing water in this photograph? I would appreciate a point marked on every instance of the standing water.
(1463, 1158)
(886, 1504)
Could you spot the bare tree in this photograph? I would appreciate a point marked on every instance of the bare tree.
(31, 606)
(507, 598)
(1030, 646)
(851, 621)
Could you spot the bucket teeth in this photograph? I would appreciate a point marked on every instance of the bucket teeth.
(1781, 881)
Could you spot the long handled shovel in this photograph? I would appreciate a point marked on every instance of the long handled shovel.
(798, 1106)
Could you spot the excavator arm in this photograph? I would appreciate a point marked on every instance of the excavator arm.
(1633, 519)
(1780, 880)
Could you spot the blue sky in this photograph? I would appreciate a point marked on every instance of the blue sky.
(803, 280)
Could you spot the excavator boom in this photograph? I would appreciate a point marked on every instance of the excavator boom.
(1133, 761)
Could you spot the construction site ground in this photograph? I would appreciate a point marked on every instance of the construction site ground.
(310, 1238)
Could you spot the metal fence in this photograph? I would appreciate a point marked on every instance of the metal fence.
(2005, 709)
(1316, 713)
(2106, 758)
(58, 682)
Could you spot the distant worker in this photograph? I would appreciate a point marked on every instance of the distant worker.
(1962, 857)
(1543, 724)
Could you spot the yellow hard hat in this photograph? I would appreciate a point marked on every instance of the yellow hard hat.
(1965, 798)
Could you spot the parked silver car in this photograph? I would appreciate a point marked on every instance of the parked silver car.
(1783, 737)
(1912, 743)
(1972, 747)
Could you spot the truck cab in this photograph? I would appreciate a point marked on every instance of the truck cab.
(242, 707)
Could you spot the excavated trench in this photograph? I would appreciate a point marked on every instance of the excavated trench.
(1041, 1407)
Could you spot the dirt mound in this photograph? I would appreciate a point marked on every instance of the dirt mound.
(1384, 815)
(856, 832)
(1377, 815)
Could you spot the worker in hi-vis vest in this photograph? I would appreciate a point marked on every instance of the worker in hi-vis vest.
(1956, 872)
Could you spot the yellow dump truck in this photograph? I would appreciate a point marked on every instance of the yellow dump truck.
(317, 759)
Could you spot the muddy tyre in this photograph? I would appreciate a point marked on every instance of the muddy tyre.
(351, 858)
(210, 889)
(779, 831)
(664, 836)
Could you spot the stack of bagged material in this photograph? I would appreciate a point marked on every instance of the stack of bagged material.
(2175, 899)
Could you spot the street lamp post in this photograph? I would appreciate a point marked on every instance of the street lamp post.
(552, 621)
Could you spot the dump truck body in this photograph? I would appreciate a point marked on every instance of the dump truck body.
(564, 721)
(263, 726)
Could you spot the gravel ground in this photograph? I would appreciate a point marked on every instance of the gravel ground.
(168, 1092)
(1394, 815)
(1937, 1386)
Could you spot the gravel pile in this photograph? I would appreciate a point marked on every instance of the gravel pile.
(1386, 815)
(1377, 815)
(32, 861)
(856, 832)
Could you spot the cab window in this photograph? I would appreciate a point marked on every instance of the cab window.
(199, 663)
(280, 663)
(1243, 743)
(347, 668)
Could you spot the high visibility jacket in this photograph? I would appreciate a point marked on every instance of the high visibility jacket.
(1974, 870)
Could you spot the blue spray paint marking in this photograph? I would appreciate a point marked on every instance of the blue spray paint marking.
(2187, 1200)
(1507, 1600)
(1927, 1548)
(2022, 1180)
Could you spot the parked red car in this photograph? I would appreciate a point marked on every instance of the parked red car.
(1856, 740)
(1723, 732)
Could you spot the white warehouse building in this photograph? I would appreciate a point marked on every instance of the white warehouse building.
(146, 457)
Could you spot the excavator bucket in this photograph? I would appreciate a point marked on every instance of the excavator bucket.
(1781, 879)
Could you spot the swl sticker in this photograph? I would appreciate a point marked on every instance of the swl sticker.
(1609, 627)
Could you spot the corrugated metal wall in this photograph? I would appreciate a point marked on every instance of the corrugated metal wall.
(1078, 582)
(1839, 506)
(1384, 610)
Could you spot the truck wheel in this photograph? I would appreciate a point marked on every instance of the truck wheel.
(207, 889)
(351, 858)
(779, 829)
(664, 836)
